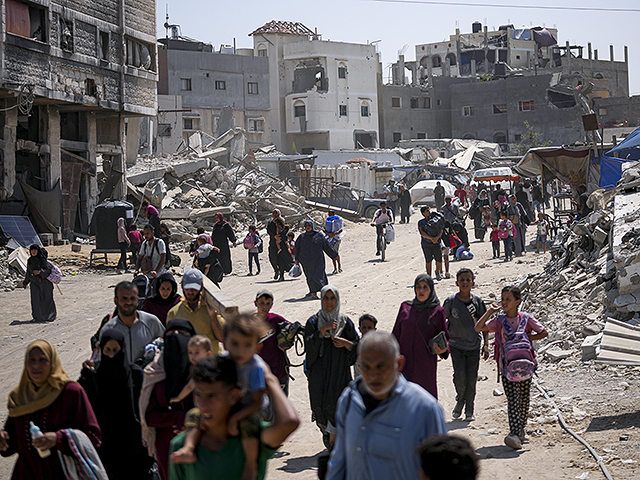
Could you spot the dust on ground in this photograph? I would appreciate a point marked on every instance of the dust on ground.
(602, 404)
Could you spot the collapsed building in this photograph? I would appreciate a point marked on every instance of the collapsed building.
(70, 77)
(487, 84)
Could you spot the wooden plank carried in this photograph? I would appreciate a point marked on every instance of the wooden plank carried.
(218, 300)
(620, 344)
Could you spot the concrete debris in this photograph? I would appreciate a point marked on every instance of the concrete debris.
(12, 268)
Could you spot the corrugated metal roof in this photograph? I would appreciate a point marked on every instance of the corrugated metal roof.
(289, 28)
(620, 344)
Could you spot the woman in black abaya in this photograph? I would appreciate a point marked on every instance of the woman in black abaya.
(43, 308)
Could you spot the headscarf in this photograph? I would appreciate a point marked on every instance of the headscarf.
(432, 301)
(122, 231)
(277, 210)
(205, 238)
(325, 317)
(39, 262)
(29, 397)
(312, 231)
(176, 356)
(160, 279)
(152, 210)
(220, 218)
(114, 381)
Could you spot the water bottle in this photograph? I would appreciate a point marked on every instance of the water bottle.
(35, 433)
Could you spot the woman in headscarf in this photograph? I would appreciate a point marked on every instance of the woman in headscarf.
(284, 259)
(221, 235)
(153, 216)
(164, 379)
(272, 231)
(43, 308)
(113, 387)
(124, 243)
(418, 321)
(481, 205)
(166, 296)
(47, 397)
(331, 344)
(311, 246)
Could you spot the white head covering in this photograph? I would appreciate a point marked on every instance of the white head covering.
(325, 317)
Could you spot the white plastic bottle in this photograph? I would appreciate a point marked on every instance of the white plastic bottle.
(35, 433)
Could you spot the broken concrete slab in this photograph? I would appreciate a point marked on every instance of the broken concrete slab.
(199, 213)
(556, 354)
(589, 346)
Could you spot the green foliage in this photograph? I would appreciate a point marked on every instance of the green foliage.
(530, 139)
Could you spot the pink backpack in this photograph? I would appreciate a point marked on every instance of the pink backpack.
(518, 356)
(56, 274)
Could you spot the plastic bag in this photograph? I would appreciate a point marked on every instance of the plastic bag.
(295, 271)
(411, 210)
(391, 233)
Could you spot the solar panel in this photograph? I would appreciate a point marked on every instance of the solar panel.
(20, 229)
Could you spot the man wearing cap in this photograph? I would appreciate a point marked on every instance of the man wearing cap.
(272, 353)
(194, 308)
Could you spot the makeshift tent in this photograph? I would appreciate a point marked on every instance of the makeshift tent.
(568, 164)
(629, 148)
(45, 207)
(610, 171)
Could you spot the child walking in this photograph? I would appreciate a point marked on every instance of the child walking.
(506, 230)
(513, 329)
(495, 241)
(541, 237)
(242, 336)
(253, 239)
(463, 310)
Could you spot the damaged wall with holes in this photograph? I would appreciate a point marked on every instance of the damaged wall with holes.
(68, 81)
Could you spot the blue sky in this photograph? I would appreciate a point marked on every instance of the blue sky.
(398, 24)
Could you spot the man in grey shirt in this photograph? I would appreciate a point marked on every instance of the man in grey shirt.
(463, 311)
(139, 328)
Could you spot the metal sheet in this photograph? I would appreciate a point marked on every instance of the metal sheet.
(620, 344)
(20, 229)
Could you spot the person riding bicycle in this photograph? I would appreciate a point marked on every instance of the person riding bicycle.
(382, 217)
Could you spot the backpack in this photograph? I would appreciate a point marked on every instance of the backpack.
(435, 224)
(518, 356)
(56, 274)
(175, 260)
(249, 242)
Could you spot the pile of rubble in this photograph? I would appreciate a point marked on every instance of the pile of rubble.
(10, 276)
(593, 274)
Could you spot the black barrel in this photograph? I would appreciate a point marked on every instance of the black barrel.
(105, 222)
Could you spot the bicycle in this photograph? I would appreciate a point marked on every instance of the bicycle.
(381, 238)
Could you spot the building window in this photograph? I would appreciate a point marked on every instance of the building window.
(66, 35)
(253, 88)
(342, 71)
(256, 125)
(185, 84)
(499, 108)
(397, 136)
(439, 102)
(421, 136)
(468, 111)
(26, 20)
(598, 76)
(451, 58)
(526, 106)
(164, 129)
(396, 102)
(424, 102)
(104, 46)
(427, 102)
(262, 50)
(517, 137)
(414, 102)
(190, 123)
(436, 61)
(500, 138)
(140, 55)
(602, 112)
(343, 110)
(299, 110)
(221, 85)
(216, 123)
(364, 110)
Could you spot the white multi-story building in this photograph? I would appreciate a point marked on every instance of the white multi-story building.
(323, 94)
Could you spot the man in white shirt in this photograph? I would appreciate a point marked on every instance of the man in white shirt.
(383, 215)
(152, 255)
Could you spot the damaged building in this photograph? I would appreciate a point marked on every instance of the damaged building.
(196, 83)
(70, 77)
(324, 96)
(485, 85)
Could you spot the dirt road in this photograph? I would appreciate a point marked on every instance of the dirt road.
(366, 286)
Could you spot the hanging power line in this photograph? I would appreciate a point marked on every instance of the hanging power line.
(511, 6)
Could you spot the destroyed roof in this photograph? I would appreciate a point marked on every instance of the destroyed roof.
(360, 160)
(289, 28)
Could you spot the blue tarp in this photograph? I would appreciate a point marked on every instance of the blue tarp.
(629, 148)
(610, 171)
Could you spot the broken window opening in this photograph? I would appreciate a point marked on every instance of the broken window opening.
(256, 125)
(311, 77)
(27, 128)
(221, 85)
(252, 88)
(397, 136)
(70, 126)
(365, 140)
(164, 129)
(190, 123)
(421, 136)
(451, 58)
(26, 20)
(343, 110)
(499, 108)
(185, 84)
(104, 46)
(140, 55)
(90, 87)
(414, 102)
(469, 136)
(66, 35)
(500, 138)
(436, 61)
(561, 100)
